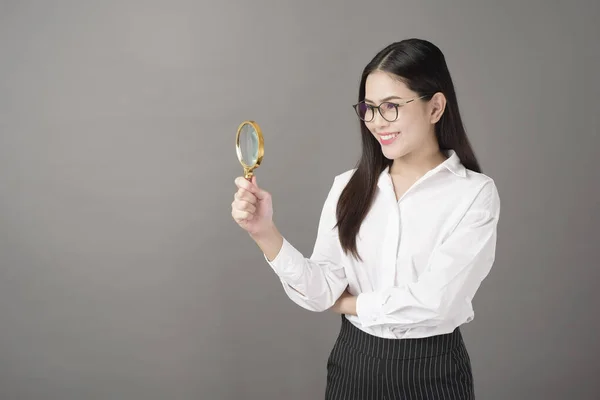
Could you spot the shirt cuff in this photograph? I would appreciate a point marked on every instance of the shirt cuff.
(369, 308)
(288, 264)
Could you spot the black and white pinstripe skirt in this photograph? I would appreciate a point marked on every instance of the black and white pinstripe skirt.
(363, 366)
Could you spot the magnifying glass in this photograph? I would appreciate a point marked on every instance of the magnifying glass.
(249, 145)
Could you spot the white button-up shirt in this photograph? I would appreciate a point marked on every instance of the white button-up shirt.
(423, 256)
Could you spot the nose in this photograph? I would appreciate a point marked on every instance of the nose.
(378, 120)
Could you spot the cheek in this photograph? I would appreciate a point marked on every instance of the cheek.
(400, 125)
(410, 123)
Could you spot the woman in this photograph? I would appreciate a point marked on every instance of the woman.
(404, 239)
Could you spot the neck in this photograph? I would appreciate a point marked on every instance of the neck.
(417, 164)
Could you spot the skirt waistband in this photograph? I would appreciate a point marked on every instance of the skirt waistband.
(402, 349)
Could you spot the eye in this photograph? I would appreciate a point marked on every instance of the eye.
(388, 106)
(364, 107)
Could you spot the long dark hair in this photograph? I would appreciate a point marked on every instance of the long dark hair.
(422, 67)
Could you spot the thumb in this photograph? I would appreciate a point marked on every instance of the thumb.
(258, 192)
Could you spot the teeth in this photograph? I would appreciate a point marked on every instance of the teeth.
(388, 137)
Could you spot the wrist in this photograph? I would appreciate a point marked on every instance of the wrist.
(349, 305)
(269, 240)
(269, 231)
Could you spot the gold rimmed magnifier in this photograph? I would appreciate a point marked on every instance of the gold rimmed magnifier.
(250, 147)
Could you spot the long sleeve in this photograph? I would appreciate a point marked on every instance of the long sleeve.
(314, 283)
(454, 273)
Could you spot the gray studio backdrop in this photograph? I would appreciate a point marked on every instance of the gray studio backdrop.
(122, 274)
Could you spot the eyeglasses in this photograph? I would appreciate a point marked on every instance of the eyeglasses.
(388, 110)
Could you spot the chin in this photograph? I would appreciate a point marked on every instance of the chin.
(393, 153)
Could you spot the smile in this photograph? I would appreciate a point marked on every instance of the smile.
(388, 138)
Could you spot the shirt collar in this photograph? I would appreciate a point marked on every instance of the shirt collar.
(452, 164)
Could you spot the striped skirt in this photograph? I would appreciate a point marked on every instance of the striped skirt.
(363, 366)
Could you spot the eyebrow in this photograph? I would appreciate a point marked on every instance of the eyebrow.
(386, 99)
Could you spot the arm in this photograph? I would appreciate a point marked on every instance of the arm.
(269, 242)
(454, 273)
(313, 283)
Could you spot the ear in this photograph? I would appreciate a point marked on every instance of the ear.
(437, 107)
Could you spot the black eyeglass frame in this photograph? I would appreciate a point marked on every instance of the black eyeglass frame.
(396, 106)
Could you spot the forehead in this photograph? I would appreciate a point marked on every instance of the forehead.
(381, 85)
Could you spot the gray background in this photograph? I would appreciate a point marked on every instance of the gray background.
(122, 274)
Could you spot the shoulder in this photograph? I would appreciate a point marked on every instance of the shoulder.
(480, 180)
(339, 183)
(343, 178)
(484, 188)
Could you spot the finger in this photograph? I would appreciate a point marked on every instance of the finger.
(245, 206)
(242, 205)
(243, 194)
(241, 216)
(258, 192)
(242, 183)
(252, 187)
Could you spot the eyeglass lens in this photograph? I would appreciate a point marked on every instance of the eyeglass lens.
(366, 112)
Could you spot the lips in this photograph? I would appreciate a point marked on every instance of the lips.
(387, 138)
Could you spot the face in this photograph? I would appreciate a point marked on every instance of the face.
(413, 130)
